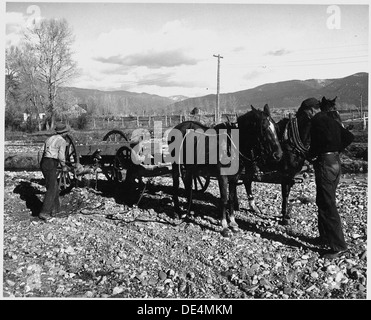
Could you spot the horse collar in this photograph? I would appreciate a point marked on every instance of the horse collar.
(292, 135)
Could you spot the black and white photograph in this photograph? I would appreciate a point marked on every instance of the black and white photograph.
(176, 152)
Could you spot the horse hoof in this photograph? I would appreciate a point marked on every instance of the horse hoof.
(234, 229)
(226, 233)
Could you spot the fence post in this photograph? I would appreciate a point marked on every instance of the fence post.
(364, 121)
(149, 121)
(138, 121)
(165, 120)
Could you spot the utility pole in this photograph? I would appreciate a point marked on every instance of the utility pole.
(217, 112)
(361, 105)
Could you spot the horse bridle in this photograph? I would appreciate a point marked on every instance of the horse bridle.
(258, 150)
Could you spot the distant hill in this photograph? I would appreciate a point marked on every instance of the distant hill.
(178, 98)
(279, 95)
(286, 95)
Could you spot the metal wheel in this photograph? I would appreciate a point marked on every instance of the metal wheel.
(115, 136)
(122, 164)
(199, 183)
(67, 180)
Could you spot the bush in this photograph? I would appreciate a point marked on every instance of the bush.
(13, 120)
(82, 121)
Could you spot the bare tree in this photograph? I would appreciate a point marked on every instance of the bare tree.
(12, 74)
(48, 44)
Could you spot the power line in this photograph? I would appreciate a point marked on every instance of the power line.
(294, 61)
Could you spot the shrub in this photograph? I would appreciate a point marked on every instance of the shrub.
(82, 121)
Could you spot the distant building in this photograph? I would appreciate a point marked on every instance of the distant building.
(34, 115)
(76, 110)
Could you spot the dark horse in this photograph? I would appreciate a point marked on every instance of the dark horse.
(294, 136)
(256, 136)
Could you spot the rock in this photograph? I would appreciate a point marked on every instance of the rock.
(265, 283)
(120, 270)
(117, 290)
(170, 273)
(287, 290)
(89, 294)
(312, 287)
(70, 250)
(314, 275)
(360, 287)
(10, 283)
(162, 275)
(363, 255)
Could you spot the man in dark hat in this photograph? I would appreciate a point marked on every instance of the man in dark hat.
(54, 153)
(328, 139)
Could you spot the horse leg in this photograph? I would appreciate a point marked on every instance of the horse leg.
(223, 188)
(285, 211)
(248, 186)
(175, 174)
(188, 188)
(233, 200)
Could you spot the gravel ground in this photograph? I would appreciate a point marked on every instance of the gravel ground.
(104, 248)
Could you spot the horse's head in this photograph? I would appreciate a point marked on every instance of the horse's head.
(258, 133)
(329, 106)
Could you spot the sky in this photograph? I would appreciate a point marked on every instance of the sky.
(168, 48)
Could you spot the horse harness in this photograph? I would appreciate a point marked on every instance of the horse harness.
(291, 136)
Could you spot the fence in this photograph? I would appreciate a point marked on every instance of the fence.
(132, 122)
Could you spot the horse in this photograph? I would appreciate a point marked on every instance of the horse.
(294, 136)
(257, 135)
(329, 106)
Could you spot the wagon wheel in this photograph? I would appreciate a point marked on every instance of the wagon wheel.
(122, 164)
(199, 183)
(115, 136)
(112, 136)
(66, 180)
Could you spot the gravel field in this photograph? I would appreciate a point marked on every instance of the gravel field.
(104, 248)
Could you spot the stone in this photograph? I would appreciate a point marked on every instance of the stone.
(162, 275)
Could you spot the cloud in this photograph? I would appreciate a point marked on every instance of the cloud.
(151, 60)
(280, 52)
(15, 24)
(252, 75)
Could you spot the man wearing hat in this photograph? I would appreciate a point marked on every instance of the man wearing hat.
(328, 139)
(54, 153)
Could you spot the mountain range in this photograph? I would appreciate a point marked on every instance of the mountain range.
(279, 95)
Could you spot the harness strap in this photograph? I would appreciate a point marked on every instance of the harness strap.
(293, 136)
